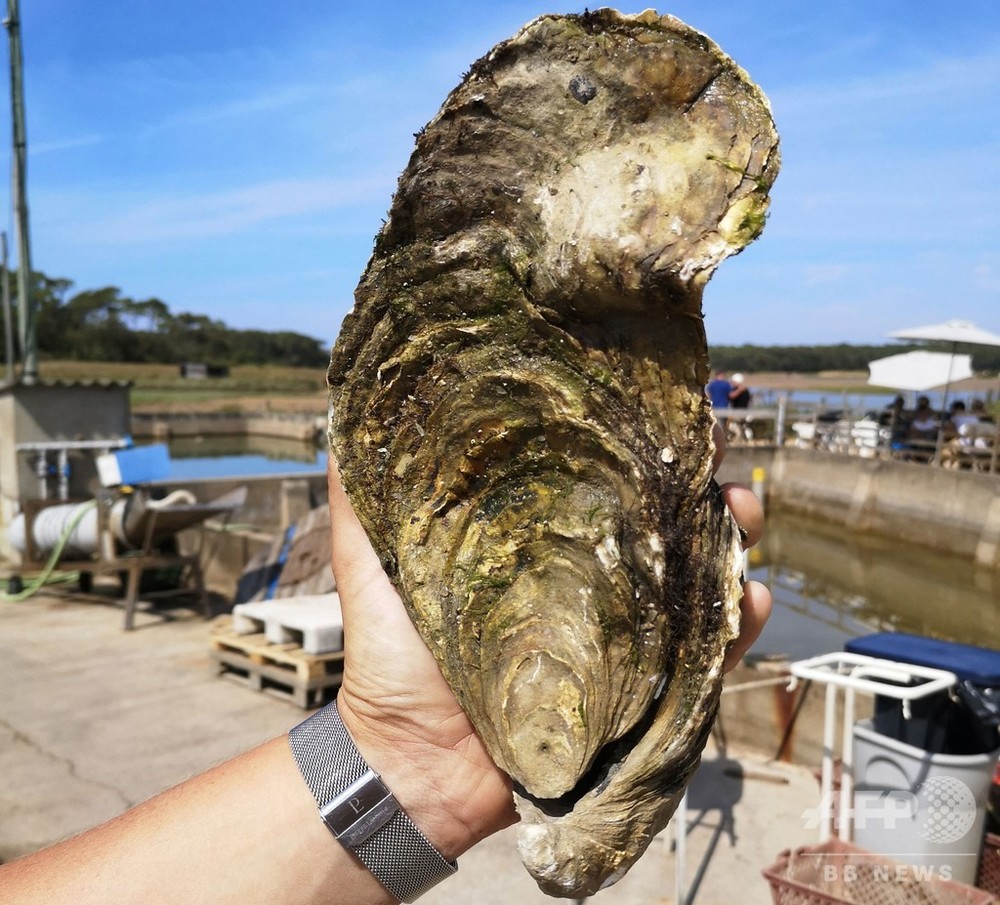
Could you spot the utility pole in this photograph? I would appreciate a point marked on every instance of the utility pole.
(8, 328)
(25, 308)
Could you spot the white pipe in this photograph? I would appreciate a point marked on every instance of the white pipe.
(174, 498)
(50, 524)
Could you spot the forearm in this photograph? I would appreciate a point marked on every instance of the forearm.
(245, 832)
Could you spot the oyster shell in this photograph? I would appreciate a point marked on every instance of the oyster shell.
(519, 417)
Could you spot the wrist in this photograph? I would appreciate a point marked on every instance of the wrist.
(452, 797)
(361, 811)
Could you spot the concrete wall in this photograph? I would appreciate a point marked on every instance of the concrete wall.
(951, 511)
(286, 426)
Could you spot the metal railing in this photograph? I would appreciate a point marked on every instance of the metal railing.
(760, 424)
(858, 433)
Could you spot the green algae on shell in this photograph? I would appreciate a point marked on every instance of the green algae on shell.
(518, 414)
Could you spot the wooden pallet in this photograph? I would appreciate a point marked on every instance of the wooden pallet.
(282, 670)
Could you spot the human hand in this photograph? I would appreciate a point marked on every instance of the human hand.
(401, 711)
(747, 510)
(398, 707)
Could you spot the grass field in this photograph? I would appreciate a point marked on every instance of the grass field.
(161, 386)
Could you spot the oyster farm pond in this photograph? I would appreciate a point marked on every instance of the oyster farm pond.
(830, 585)
(240, 457)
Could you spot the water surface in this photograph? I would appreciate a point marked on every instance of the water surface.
(830, 585)
(242, 456)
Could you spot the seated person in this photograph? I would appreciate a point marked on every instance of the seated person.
(957, 417)
(975, 427)
(925, 422)
(897, 419)
(969, 434)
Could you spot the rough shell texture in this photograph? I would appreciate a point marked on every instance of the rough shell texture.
(519, 417)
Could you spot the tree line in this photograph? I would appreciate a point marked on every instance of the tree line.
(840, 357)
(104, 325)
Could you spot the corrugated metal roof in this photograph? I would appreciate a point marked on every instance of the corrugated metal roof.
(64, 384)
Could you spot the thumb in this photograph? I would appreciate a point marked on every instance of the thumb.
(377, 628)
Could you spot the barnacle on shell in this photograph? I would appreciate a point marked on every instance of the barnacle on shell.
(519, 417)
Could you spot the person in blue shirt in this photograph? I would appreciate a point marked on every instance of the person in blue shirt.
(719, 390)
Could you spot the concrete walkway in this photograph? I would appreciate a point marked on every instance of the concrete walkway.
(94, 720)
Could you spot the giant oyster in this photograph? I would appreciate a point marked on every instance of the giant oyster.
(519, 417)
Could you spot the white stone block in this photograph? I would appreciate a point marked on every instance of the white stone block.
(314, 622)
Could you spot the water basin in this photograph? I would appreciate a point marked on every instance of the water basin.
(829, 585)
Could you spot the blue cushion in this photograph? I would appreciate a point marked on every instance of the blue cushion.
(975, 664)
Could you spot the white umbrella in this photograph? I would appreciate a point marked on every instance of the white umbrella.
(919, 371)
(955, 332)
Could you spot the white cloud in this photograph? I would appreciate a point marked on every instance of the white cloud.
(949, 82)
(64, 144)
(165, 217)
(816, 274)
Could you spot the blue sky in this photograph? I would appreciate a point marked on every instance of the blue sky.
(236, 159)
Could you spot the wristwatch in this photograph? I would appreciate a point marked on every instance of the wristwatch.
(361, 812)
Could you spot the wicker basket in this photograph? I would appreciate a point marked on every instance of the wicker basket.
(989, 866)
(837, 873)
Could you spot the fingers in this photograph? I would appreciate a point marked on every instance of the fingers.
(747, 510)
(755, 608)
(368, 600)
(386, 660)
(741, 500)
(719, 443)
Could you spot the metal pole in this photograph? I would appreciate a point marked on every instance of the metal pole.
(826, 775)
(680, 851)
(845, 816)
(8, 327)
(26, 313)
(939, 440)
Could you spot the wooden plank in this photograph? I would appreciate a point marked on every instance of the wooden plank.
(269, 679)
(283, 670)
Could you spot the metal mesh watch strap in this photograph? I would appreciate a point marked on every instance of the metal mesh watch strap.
(361, 812)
